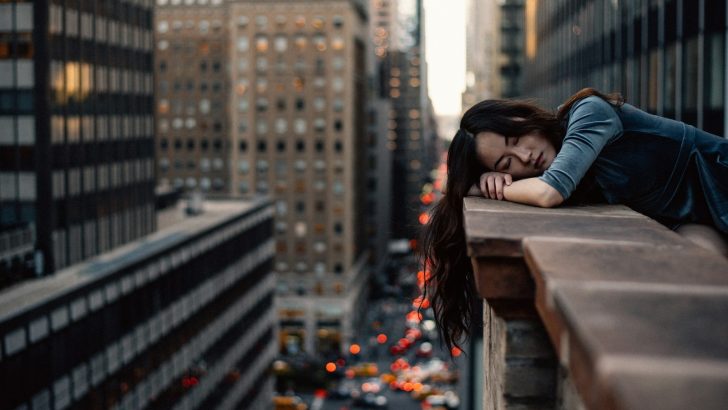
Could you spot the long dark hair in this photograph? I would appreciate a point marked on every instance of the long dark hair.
(450, 285)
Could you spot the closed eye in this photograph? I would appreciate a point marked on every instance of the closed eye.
(508, 164)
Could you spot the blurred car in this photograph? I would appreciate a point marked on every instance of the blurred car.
(289, 403)
(370, 400)
(396, 349)
(425, 350)
(342, 390)
(371, 385)
(365, 369)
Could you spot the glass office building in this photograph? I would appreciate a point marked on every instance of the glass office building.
(180, 319)
(664, 56)
(76, 126)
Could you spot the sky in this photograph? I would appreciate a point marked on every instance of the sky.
(445, 51)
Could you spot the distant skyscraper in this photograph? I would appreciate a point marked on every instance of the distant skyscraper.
(193, 92)
(280, 110)
(482, 58)
(411, 131)
(76, 142)
(384, 26)
(512, 47)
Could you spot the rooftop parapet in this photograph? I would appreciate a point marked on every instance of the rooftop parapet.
(596, 307)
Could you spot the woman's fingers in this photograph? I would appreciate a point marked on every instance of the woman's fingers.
(492, 183)
(499, 187)
(483, 185)
(491, 187)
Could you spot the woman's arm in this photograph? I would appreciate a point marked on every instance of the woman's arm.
(530, 191)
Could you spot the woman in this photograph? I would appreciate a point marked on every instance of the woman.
(595, 149)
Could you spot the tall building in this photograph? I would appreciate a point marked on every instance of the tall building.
(76, 142)
(667, 56)
(192, 66)
(270, 97)
(181, 319)
(512, 47)
(482, 58)
(384, 27)
(412, 132)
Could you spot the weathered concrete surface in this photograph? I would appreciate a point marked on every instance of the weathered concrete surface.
(635, 313)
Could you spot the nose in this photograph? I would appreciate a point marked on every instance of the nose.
(523, 154)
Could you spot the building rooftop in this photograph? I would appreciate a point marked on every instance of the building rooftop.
(174, 227)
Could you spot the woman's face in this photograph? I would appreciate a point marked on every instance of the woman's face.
(523, 157)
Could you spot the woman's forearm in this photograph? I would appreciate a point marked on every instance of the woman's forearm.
(532, 191)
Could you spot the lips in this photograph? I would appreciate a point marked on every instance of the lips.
(539, 161)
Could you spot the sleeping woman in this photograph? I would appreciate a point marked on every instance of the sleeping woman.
(595, 149)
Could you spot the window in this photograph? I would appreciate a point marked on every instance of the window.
(261, 104)
(300, 41)
(299, 126)
(280, 43)
(300, 146)
(204, 164)
(261, 44)
(337, 43)
(281, 146)
(300, 104)
(262, 146)
(319, 41)
(281, 125)
(261, 126)
(243, 187)
(319, 124)
(243, 166)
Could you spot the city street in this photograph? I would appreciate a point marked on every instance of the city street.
(387, 317)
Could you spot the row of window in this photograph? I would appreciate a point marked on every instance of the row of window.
(192, 144)
(74, 181)
(72, 23)
(189, 2)
(70, 129)
(81, 241)
(73, 79)
(17, 130)
(300, 22)
(16, 17)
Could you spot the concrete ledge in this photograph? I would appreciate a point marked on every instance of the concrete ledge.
(635, 313)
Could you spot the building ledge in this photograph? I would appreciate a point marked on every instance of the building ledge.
(635, 314)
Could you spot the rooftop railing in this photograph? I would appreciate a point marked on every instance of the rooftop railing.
(596, 307)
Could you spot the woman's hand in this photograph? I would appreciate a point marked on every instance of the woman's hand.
(492, 183)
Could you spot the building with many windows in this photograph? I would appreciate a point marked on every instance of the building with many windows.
(665, 56)
(283, 113)
(482, 52)
(412, 131)
(182, 318)
(76, 142)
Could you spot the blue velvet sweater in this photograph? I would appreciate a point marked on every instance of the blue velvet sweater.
(665, 169)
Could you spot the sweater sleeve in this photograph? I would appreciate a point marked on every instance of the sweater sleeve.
(593, 123)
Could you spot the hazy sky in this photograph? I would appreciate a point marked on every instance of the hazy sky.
(445, 31)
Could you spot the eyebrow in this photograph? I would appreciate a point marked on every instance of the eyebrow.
(495, 166)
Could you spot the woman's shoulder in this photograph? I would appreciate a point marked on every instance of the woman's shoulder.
(592, 104)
